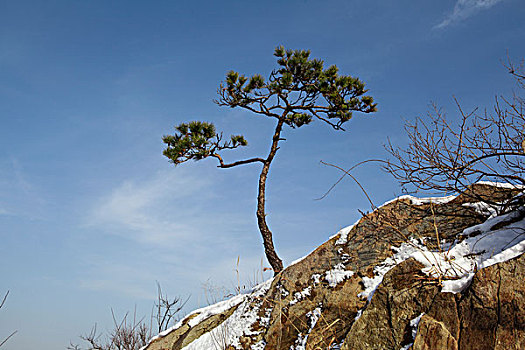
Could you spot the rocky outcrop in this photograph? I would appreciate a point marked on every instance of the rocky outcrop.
(489, 314)
(492, 309)
(185, 334)
(339, 297)
(385, 324)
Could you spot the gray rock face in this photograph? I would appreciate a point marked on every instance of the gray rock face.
(489, 314)
(317, 302)
(385, 324)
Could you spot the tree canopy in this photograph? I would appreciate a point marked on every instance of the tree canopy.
(299, 91)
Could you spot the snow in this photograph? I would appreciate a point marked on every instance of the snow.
(502, 185)
(316, 278)
(428, 200)
(265, 320)
(457, 265)
(404, 252)
(446, 199)
(343, 234)
(216, 309)
(298, 296)
(337, 275)
(202, 314)
(488, 248)
(484, 208)
(359, 313)
(238, 324)
(420, 201)
(258, 346)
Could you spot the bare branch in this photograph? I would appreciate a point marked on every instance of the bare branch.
(482, 147)
(4, 299)
(346, 172)
(6, 339)
(14, 332)
(133, 334)
(240, 162)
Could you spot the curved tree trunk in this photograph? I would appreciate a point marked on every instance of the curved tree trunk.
(269, 249)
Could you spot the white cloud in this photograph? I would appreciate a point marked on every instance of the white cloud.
(139, 209)
(464, 9)
(176, 223)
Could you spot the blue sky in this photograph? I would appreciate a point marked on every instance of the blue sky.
(92, 215)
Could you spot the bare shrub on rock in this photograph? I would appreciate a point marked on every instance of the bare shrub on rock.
(134, 334)
(483, 146)
(126, 335)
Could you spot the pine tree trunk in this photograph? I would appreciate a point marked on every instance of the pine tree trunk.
(269, 249)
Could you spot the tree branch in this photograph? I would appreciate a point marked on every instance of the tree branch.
(240, 162)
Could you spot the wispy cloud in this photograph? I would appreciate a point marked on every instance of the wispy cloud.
(465, 9)
(173, 226)
(172, 208)
(151, 210)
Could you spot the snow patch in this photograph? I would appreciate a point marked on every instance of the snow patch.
(457, 265)
(359, 313)
(420, 201)
(337, 275)
(202, 314)
(316, 278)
(259, 346)
(483, 208)
(343, 234)
(502, 185)
(265, 320)
(428, 200)
(402, 253)
(298, 296)
(238, 324)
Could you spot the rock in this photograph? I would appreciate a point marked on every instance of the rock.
(385, 324)
(315, 303)
(445, 309)
(185, 334)
(433, 335)
(492, 309)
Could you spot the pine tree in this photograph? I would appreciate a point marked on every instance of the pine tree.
(299, 91)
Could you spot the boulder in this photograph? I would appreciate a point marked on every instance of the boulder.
(325, 300)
